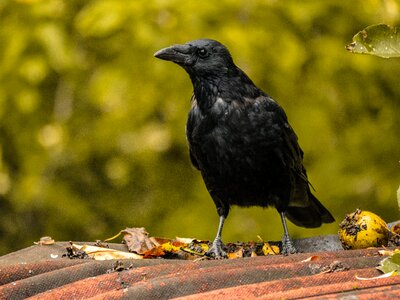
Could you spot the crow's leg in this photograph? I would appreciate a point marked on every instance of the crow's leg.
(287, 243)
(216, 251)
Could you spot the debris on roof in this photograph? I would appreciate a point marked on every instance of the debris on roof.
(41, 272)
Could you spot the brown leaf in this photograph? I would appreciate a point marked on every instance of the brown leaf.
(154, 252)
(137, 240)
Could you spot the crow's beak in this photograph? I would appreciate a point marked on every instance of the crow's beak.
(179, 54)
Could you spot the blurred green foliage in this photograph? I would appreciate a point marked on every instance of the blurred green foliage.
(92, 126)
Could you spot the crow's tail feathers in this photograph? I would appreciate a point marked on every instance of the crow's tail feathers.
(310, 216)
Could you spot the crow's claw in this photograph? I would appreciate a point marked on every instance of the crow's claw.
(288, 247)
(217, 250)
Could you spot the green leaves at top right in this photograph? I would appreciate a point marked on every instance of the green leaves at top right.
(380, 40)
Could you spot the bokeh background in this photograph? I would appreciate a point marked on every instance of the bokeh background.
(92, 133)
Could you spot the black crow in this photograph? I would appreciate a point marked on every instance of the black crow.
(240, 140)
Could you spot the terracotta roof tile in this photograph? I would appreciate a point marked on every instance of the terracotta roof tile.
(32, 272)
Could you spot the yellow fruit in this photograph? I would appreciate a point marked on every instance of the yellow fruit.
(363, 229)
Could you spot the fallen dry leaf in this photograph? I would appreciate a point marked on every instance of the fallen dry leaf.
(268, 249)
(185, 240)
(194, 250)
(311, 258)
(157, 241)
(386, 275)
(386, 252)
(99, 253)
(45, 240)
(390, 263)
(137, 240)
(173, 246)
(154, 252)
(168, 247)
(237, 254)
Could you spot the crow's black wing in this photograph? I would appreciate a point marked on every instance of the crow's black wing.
(287, 147)
(288, 152)
(190, 124)
(304, 209)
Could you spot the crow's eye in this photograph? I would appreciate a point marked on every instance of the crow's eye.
(202, 52)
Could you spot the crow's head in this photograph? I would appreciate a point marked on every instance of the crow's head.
(200, 58)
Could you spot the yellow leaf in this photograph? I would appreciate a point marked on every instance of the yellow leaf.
(172, 246)
(267, 249)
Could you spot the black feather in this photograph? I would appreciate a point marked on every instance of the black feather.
(240, 138)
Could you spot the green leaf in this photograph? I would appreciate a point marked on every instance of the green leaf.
(379, 40)
(390, 264)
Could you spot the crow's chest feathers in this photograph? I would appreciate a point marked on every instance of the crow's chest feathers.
(213, 124)
(221, 136)
(239, 136)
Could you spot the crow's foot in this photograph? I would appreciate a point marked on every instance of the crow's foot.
(217, 250)
(287, 246)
